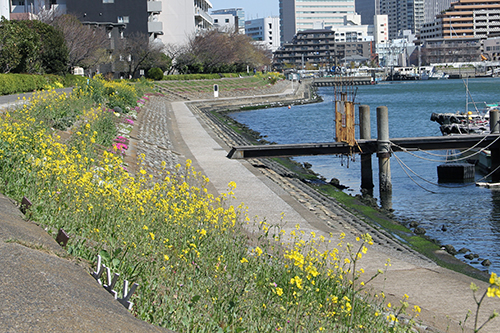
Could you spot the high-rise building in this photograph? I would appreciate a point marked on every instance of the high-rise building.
(299, 15)
(403, 15)
(264, 31)
(367, 9)
(239, 16)
(434, 8)
(465, 19)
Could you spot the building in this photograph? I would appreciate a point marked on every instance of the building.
(5, 9)
(432, 8)
(315, 49)
(265, 31)
(447, 50)
(381, 29)
(300, 15)
(403, 15)
(127, 16)
(367, 9)
(28, 9)
(491, 49)
(352, 30)
(465, 19)
(182, 20)
(225, 22)
(238, 15)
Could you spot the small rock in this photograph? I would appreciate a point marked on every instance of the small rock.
(414, 224)
(463, 250)
(476, 255)
(450, 249)
(419, 231)
(443, 228)
(469, 256)
(486, 263)
(118, 109)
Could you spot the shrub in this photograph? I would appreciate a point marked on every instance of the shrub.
(155, 74)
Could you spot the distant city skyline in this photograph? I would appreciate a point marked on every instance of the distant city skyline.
(253, 8)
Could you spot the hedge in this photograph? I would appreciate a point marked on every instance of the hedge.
(20, 83)
(202, 76)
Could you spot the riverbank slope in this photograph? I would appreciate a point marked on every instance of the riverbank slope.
(443, 295)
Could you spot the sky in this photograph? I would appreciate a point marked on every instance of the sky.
(253, 8)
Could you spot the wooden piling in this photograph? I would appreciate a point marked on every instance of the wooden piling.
(383, 154)
(366, 158)
(495, 148)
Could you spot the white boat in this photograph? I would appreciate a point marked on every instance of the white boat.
(433, 75)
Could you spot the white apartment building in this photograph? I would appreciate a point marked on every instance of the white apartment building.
(4, 9)
(225, 22)
(381, 29)
(238, 17)
(299, 15)
(352, 30)
(181, 20)
(27, 9)
(264, 31)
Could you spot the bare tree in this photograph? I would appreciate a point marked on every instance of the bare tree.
(86, 44)
(218, 51)
(136, 51)
(173, 51)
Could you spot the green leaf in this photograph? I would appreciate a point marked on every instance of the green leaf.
(117, 252)
(115, 262)
(105, 255)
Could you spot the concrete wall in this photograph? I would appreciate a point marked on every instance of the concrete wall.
(178, 22)
(97, 11)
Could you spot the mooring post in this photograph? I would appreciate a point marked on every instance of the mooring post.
(495, 148)
(366, 158)
(384, 155)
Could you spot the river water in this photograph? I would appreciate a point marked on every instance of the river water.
(470, 215)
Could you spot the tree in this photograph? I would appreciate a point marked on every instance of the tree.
(31, 47)
(173, 51)
(10, 56)
(137, 52)
(87, 45)
(215, 52)
(157, 60)
(53, 53)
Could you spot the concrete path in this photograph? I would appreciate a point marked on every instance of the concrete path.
(443, 295)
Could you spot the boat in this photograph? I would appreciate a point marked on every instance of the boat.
(475, 121)
(430, 73)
